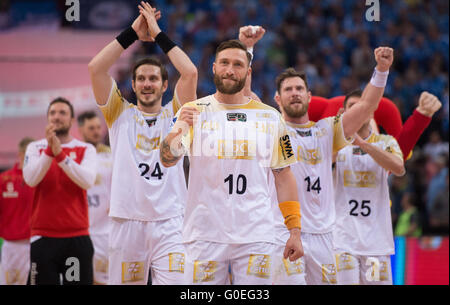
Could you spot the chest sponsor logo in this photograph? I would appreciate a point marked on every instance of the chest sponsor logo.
(236, 149)
(309, 156)
(204, 271)
(359, 179)
(10, 192)
(259, 265)
(286, 147)
(146, 144)
(234, 117)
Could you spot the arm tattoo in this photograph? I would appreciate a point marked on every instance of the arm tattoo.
(166, 155)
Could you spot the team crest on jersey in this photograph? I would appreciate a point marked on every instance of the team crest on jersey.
(204, 271)
(234, 117)
(358, 151)
(133, 271)
(151, 122)
(286, 147)
(345, 261)
(306, 133)
(329, 273)
(259, 265)
(359, 179)
(176, 262)
(295, 267)
(10, 192)
(336, 119)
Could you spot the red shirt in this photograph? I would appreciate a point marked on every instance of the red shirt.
(15, 205)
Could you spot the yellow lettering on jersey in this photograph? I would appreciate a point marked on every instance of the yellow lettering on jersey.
(263, 115)
(145, 144)
(309, 156)
(359, 179)
(165, 114)
(295, 267)
(329, 273)
(176, 262)
(236, 149)
(265, 127)
(259, 265)
(204, 271)
(210, 125)
(138, 120)
(133, 272)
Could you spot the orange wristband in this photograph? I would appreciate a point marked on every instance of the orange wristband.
(291, 213)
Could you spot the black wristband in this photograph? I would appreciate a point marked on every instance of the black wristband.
(127, 37)
(164, 42)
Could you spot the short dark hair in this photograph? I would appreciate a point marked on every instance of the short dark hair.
(64, 101)
(154, 62)
(288, 73)
(354, 93)
(24, 143)
(233, 44)
(87, 115)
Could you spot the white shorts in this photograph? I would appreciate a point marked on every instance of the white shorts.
(15, 262)
(320, 263)
(100, 260)
(363, 270)
(136, 246)
(209, 263)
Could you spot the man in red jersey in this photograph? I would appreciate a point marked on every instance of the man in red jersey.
(62, 169)
(15, 212)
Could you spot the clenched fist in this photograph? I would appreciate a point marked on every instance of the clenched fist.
(384, 56)
(428, 104)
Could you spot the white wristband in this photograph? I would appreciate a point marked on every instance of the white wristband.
(250, 50)
(379, 79)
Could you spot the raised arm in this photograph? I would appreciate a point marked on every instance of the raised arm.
(355, 117)
(103, 61)
(417, 122)
(249, 35)
(186, 87)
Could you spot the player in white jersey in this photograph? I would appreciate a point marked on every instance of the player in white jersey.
(363, 235)
(314, 145)
(147, 199)
(234, 143)
(98, 195)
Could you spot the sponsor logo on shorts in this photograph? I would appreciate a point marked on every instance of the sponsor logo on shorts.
(345, 262)
(295, 267)
(204, 271)
(101, 265)
(133, 272)
(176, 262)
(259, 265)
(12, 277)
(329, 273)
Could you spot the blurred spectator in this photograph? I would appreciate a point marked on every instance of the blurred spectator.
(409, 222)
(439, 211)
(435, 145)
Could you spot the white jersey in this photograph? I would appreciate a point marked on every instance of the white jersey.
(314, 145)
(232, 150)
(364, 224)
(99, 194)
(142, 188)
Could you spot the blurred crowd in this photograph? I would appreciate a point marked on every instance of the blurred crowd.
(331, 41)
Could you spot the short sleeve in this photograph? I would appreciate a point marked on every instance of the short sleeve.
(283, 153)
(115, 105)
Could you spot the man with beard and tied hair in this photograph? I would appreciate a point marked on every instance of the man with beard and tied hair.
(147, 199)
(98, 195)
(233, 142)
(61, 168)
(314, 145)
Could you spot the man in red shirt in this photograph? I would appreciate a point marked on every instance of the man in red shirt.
(15, 213)
(61, 168)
